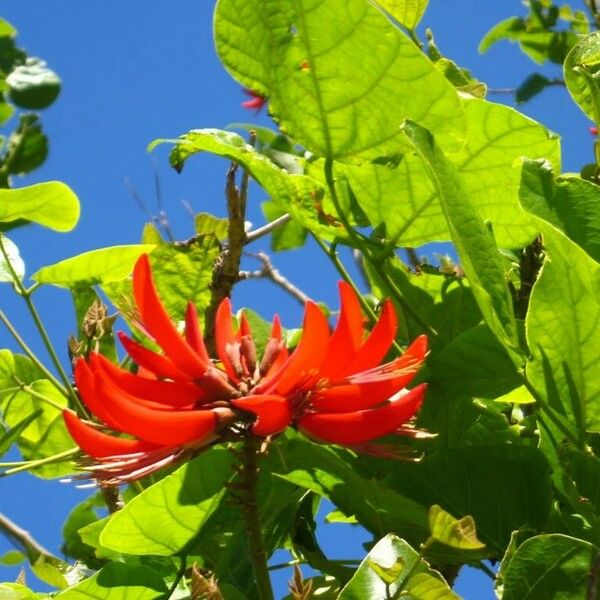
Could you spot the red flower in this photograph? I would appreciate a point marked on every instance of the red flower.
(256, 101)
(181, 401)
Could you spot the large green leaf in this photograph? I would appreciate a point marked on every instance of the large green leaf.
(474, 364)
(393, 569)
(407, 12)
(405, 200)
(569, 203)
(97, 266)
(549, 566)
(168, 515)
(377, 507)
(119, 581)
(305, 56)
(24, 392)
(581, 69)
(51, 204)
(296, 194)
(503, 487)
(475, 245)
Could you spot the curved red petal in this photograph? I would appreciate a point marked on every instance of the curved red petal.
(165, 428)
(376, 346)
(158, 323)
(193, 335)
(169, 393)
(273, 412)
(346, 337)
(302, 368)
(225, 336)
(86, 386)
(160, 365)
(365, 425)
(276, 328)
(100, 445)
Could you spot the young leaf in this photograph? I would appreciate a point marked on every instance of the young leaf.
(581, 69)
(14, 258)
(33, 85)
(476, 248)
(51, 204)
(305, 59)
(458, 533)
(394, 570)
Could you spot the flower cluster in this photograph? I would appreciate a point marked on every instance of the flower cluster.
(331, 387)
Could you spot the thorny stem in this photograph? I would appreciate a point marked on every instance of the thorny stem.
(26, 294)
(249, 473)
(227, 269)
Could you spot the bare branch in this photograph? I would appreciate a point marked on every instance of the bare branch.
(23, 540)
(251, 236)
(270, 272)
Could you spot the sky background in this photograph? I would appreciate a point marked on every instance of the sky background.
(134, 71)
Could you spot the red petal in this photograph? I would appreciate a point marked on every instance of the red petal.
(166, 428)
(193, 335)
(273, 412)
(303, 365)
(169, 393)
(276, 328)
(86, 386)
(376, 346)
(158, 323)
(365, 425)
(224, 335)
(160, 365)
(347, 336)
(100, 445)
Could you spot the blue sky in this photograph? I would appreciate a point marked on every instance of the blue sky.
(135, 71)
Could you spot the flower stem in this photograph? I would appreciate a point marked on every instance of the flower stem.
(258, 554)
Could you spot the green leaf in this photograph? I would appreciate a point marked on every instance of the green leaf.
(117, 581)
(207, 224)
(581, 69)
(474, 364)
(16, 591)
(406, 12)
(97, 266)
(13, 434)
(510, 28)
(33, 85)
(569, 203)
(168, 515)
(394, 570)
(563, 332)
(6, 29)
(476, 248)
(403, 198)
(14, 259)
(12, 558)
(288, 236)
(458, 533)
(549, 566)
(502, 486)
(295, 194)
(304, 58)
(27, 146)
(331, 474)
(51, 204)
(47, 434)
(532, 86)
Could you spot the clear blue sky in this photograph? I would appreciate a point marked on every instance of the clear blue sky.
(135, 71)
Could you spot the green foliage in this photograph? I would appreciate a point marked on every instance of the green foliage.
(581, 70)
(407, 12)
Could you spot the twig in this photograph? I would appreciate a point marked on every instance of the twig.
(23, 540)
(259, 232)
(270, 272)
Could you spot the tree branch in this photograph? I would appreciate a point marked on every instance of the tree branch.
(23, 540)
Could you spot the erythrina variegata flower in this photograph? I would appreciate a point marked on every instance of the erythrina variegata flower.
(180, 401)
